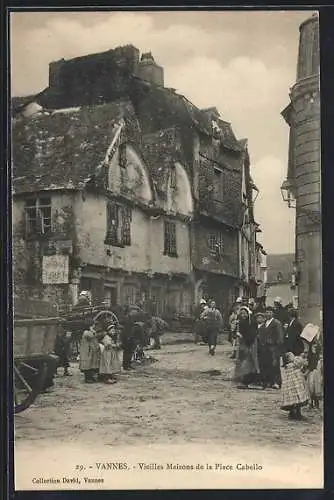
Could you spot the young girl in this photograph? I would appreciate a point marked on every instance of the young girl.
(294, 390)
(109, 362)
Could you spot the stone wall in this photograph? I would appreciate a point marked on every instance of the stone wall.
(28, 251)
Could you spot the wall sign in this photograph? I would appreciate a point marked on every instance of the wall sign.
(55, 269)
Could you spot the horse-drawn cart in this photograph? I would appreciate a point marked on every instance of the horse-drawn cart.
(35, 363)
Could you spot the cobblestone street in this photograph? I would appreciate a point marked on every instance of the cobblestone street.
(184, 399)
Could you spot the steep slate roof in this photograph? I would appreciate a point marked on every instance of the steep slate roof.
(61, 150)
(159, 152)
(280, 263)
(162, 108)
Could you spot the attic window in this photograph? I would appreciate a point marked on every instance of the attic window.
(173, 177)
(38, 215)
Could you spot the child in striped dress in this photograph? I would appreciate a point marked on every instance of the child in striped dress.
(294, 390)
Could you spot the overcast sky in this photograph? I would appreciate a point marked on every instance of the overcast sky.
(241, 62)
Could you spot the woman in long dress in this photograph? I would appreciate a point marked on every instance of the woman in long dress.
(110, 364)
(89, 355)
(247, 365)
(314, 373)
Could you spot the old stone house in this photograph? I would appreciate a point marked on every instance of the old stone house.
(87, 212)
(123, 187)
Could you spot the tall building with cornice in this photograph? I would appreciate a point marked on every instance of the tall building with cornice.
(303, 183)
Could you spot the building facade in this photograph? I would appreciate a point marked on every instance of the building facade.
(304, 171)
(128, 190)
(280, 279)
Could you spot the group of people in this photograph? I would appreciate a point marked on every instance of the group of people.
(101, 343)
(270, 352)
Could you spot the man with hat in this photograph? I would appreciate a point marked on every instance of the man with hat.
(199, 325)
(280, 312)
(292, 342)
(272, 347)
(233, 326)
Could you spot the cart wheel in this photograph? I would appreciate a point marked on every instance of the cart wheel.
(106, 316)
(28, 383)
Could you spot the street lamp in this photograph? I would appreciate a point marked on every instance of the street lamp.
(287, 193)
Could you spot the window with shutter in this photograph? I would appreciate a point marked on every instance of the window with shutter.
(170, 239)
(126, 225)
(118, 224)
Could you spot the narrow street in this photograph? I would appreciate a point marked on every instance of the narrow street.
(181, 408)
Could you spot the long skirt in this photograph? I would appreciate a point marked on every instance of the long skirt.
(89, 354)
(294, 390)
(247, 364)
(109, 362)
(314, 384)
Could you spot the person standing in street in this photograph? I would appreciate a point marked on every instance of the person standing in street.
(132, 334)
(280, 312)
(314, 371)
(62, 349)
(294, 391)
(247, 364)
(110, 365)
(292, 341)
(265, 354)
(214, 322)
(198, 321)
(272, 344)
(89, 355)
(233, 322)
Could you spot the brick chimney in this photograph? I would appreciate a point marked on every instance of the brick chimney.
(149, 70)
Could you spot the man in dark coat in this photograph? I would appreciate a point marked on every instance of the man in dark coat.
(273, 340)
(292, 342)
(62, 349)
(214, 322)
(199, 325)
(280, 312)
(132, 334)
